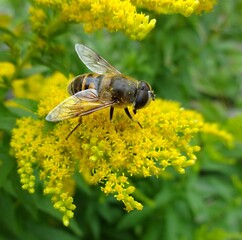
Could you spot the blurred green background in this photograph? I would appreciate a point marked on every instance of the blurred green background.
(196, 61)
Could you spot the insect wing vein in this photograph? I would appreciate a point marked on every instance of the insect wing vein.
(93, 61)
(80, 104)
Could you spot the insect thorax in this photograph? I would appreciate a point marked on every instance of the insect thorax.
(124, 89)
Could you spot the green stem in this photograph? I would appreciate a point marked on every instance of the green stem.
(139, 195)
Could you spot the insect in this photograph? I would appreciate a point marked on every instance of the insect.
(105, 87)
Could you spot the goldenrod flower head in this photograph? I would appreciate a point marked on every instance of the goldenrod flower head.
(104, 152)
(184, 7)
(205, 5)
(37, 18)
(29, 87)
(5, 19)
(212, 128)
(7, 69)
(117, 15)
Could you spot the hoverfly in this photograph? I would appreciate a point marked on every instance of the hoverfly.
(105, 87)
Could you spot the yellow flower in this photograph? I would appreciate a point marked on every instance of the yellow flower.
(7, 69)
(213, 128)
(117, 15)
(29, 87)
(184, 7)
(5, 19)
(205, 5)
(104, 152)
(37, 18)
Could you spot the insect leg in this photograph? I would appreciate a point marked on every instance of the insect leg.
(80, 121)
(130, 117)
(111, 113)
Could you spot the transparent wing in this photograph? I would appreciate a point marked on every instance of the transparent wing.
(93, 61)
(80, 104)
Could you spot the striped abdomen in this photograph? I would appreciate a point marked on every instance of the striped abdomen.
(85, 81)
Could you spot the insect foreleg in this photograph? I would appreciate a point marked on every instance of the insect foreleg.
(80, 121)
(130, 117)
(111, 113)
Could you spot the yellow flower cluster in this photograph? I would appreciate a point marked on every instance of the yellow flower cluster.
(120, 15)
(213, 129)
(111, 14)
(104, 152)
(7, 69)
(37, 18)
(184, 7)
(28, 87)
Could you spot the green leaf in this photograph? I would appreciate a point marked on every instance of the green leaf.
(8, 219)
(6, 165)
(45, 232)
(21, 112)
(7, 118)
(82, 185)
(7, 123)
(29, 104)
(33, 70)
(153, 230)
(133, 218)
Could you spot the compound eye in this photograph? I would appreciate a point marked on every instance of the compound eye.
(142, 99)
(144, 86)
(144, 95)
